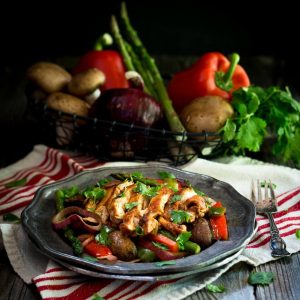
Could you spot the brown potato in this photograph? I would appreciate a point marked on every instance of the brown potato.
(207, 113)
(48, 76)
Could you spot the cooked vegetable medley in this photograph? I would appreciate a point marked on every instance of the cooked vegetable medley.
(129, 217)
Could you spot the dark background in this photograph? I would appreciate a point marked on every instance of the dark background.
(266, 37)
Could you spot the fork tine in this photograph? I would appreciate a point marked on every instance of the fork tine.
(273, 197)
(266, 190)
(259, 192)
(253, 197)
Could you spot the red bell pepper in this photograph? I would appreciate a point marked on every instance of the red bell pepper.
(109, 62)
(160, 253)
(219, 225)
(160, 238)
(212, 75)
(97, 250)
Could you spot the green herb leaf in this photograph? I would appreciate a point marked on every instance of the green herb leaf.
(102, 236)
(16, 183)
(182, 238)
(103, 182)
(261, 278)
(71, 192)
(89, 258)
(297, 233)
(215, 288)
(94, 193)
(180, 216)
(160, 246)
(9, 217)
(200, 193)
(229, 130)
(164, 175)
(165, 263)
(131, 205)
(121, 195)
(146, 190)
(175, 198)
(139, 230)
(97, 297)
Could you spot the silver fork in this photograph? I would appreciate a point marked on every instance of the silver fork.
(267, 206)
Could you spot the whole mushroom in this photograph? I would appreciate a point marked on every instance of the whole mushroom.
(49, 77)
(86, 84)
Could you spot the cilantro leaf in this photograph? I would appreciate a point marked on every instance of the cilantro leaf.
(102, 236)
(103, 182)
(164, 175)
(180, 216)
(261, 278)
(165, 263)
(175, 198)
(215, 288)
(9, 217)
(146, 190)
(97, 297)
(16, 183)
(131, 205)
(251, 134)
(182, 238)
(160, 245)
(94, 193)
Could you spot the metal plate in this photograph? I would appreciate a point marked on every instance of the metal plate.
(36, 219)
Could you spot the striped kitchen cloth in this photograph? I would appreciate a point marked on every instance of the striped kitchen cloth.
(44, 165)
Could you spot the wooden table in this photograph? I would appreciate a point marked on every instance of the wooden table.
(285, 286)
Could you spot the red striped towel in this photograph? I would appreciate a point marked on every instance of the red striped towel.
(45, 165)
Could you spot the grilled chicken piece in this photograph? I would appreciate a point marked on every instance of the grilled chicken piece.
(132, 217)
(172, 227)
(119, 198)
(156, 208)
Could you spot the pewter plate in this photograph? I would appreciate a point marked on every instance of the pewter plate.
(36, 219)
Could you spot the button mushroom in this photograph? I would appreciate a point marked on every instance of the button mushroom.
(48, 76)
(71, 105)
(86, 84)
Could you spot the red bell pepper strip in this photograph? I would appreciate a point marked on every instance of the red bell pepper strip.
(212, 75)
(109, 62)
(160, 253)
(97, 250)
(160, 238)
(219, 225)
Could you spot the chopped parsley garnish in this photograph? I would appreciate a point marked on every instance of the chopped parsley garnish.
(121, 195)
(103, 182)
(164, 175)
(160, 246)
(180, 216)
(16, 183)
(261, 278)
(102, 236)
(182, 238)
(94, 193)
(131, 205)
(215, 288)
(176, 198)
(200, 193)
(139, 230)
(71, 192)
(146, 190)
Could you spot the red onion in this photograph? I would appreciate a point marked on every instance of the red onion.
(74, 215)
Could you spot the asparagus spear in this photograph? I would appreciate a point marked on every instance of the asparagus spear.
(171, 115)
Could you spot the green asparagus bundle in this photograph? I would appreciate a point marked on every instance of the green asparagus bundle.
(137, 58)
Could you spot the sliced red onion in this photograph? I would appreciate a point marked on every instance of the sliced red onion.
(74, 215)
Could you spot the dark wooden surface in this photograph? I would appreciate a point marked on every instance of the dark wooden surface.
(285, 286)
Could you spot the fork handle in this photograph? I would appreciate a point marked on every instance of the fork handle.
(277, 244)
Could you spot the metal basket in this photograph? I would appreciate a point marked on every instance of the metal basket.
(111, 141)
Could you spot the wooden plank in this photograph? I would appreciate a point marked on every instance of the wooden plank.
(12, 287)
(235, 282)
(286, 283)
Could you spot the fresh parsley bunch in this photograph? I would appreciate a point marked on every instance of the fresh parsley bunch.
(260, 112)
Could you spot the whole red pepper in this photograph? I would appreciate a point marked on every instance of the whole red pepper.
(212, 75)
(109, 62)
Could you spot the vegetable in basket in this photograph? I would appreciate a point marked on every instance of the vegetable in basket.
(212, 75)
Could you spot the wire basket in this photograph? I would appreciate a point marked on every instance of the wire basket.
(112, 141)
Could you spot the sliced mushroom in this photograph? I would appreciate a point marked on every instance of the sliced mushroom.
(86, 84)
(48, 76)
(68, 104)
